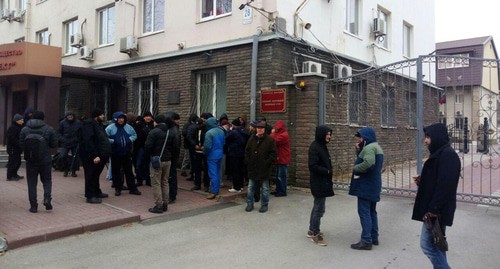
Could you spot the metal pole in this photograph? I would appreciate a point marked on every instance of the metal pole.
(466, 135)
(321, 103)
(253, 75)
(420, 115)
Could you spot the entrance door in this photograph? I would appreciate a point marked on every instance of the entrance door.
(19, 102)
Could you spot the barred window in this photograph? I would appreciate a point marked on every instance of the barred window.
(357, 102)
(211, 91)
(147, 96)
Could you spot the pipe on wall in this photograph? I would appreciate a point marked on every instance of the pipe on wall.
(253, 76)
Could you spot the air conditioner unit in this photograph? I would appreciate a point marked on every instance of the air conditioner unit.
(76, 40)
(5, 14)
(378, 26)
(342, 72)
(128, 44)
(311, 67)
(86, 53)
(18, 15)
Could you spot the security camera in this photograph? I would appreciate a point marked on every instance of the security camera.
(242, 6)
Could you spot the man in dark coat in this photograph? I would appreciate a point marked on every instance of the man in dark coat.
(42, 164)
(13, 148)
(366, 184)
(320, 168)
(172, 178)
(437, 189)
(236, 142)
(260, 154)
(69, 127)
(95, 150)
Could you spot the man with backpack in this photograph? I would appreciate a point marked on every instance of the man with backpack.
(36, 139)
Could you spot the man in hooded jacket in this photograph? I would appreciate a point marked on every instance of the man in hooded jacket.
(69, 127)
(437, 190)
(282, 140)
(213, 148)
(366, 184)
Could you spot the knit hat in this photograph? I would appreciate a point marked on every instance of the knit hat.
(39, 115)
(147, 114)
(254, 123)
(97, 112)
(160, 119)
(236, 122)
(17, 117)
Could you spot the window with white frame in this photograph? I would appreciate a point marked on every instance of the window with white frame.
(70, 28)
(107, 26)
(102, 97)
(4, 4)
(147, 95)
(153, 16)
(407, 43)
(388, 106)
(211, 91)
(411, 108)
(22, 5)
(384, 15)
(43, 37)
(215, 8)
(358, 102)
(352, 23)
(454, 61)
(459, 97)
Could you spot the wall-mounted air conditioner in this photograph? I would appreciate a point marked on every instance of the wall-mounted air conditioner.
(378, 27)
(18, 15)
(311, 67)
(128, 44)
(76, 40)
(5, 14)
(86, 53)
(342, 72)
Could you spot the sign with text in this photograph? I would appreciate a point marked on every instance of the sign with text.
(273, 101)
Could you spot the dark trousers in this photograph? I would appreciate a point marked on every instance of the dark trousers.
(236, 165)
(317, 213)
(199, 166)
(32, 172)
(125, 163)
(172, 179)
(92, 172)
(142, 166)
(13, 164)
(70, 162)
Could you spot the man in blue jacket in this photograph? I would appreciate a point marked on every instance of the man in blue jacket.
(366, 184)
(213, 148)
(437, 190)
(121, 135)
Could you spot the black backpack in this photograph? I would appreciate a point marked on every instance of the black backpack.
(35, 145)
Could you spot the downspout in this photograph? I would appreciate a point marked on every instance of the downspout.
(253, 76)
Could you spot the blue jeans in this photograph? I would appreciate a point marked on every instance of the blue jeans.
(252, 185)
(367, 211)
(281, 171)
(317, 213)
(214, 174)
(436, 256)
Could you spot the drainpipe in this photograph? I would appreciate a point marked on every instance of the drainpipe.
(253, 76)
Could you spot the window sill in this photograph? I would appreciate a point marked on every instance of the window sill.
(152, 33)
(388, 127)
(352, 35)
(69, 54)
(211, 18)
(105, 45)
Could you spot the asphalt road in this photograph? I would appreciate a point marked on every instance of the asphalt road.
(225, 236)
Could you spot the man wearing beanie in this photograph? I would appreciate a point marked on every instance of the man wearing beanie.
(121, 136)
(36, 139)
(94, 152)
(13, 148)
(69, 127)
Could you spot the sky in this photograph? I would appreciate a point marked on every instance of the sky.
(462, 19)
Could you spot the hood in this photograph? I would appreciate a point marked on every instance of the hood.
(35, 123)
(438, 134)
(211, 123)
(118, 114)
(321, 132)
(280, 127)
(70, 113)
(28, 110)
(368, 135)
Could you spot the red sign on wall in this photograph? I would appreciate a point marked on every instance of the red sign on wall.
(273, 101)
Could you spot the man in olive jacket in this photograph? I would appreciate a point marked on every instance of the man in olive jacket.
(437, 189)
(260, 154)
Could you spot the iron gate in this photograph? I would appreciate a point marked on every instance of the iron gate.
(397, 100)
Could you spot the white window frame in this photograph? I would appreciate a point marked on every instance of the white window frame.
(215, 81)
(156, 13)
(43, 37)
(384, 15)
(207, 8)
(453, 62)
(353, 16)
(407, 39)
(459, 98)
(22, 5)
(107, 25)
(71, 27)
(152, 91)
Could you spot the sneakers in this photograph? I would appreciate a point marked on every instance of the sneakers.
(47, 204)
(263, 209)
(232, 190)
(65, 174)
(33, 209)
(319, 240)
(73, 174)
(118, 192)
(249, 208)
(211, 196)
(156, 209)
(17, 177)
(361, 246)
(94, 200)
(310, 234)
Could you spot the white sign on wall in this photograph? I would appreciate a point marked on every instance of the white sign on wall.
(247, 15)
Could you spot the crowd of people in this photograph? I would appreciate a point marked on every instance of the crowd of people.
(146, 149)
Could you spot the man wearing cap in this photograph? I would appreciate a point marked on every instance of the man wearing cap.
(366, 184)
(260, 154)
(13, 148)
(94, 150)
(41, 166)
(121, 135)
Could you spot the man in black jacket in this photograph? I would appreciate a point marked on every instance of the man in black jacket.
(69, 127)
(94, 153)
(13, 148)
(437, 190)
(41, 164)
(320, 168)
